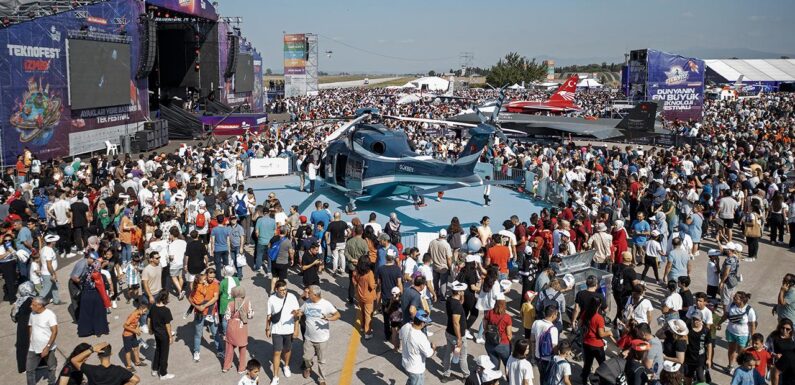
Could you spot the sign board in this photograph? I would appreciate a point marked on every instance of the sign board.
(268, 166)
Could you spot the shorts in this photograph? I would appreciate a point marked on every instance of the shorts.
(280, 270)
(134, 286)
(130, 342)
(175, 272)
(742, 341)
(712, 291)
(282, 342)
(728, 223)
(190, 277)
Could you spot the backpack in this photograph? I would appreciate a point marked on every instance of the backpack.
(546, 301)
(201, 220)
(273, 252)
(552, 373)
(545, 348)
(240, 208)
(492, 333)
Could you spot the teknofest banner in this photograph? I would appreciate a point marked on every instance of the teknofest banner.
(678, 83)
(34, 108)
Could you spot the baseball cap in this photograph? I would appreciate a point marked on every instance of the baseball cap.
(395, 290)
(421, 315)
(484, 362)
(458, 286)
(639, 345)
(442, 233)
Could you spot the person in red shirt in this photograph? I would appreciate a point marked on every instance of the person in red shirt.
(763, 358)
(593, 327)
(499, 254)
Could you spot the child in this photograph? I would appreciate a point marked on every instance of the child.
(35, 271)
(252, 373)
(528, 312)
(130, 336)
(763, 358)
(561, 359)
(395, 317)
(745, 373)
(713, 273)
(132, 271)
(487, 192)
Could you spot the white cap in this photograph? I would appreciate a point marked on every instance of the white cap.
(471, 258)
(458, 286)
(442, 233)
(484, 362)
(395, 290)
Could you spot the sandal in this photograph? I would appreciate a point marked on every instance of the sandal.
(140, 363)
(224, 370)
(131, 369)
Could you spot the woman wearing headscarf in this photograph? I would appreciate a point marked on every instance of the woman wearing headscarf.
(392, 229)
(237, 314)
(661, 225)
(619, 242)
(20, 313)
(228, 283)
(93, 318)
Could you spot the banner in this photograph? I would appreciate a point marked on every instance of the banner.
(236, 124)
(35, 111)
(294, 65)
(228, 96)
(258, 104)
(678, 83)
(268, 166)
(200, 8)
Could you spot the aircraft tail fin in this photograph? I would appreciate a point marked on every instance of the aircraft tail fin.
(640, 118)
(739, 83)
(478, 140)
(565, 94)
(450, 87)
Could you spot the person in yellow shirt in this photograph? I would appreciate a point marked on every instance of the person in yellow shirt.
(528, 312)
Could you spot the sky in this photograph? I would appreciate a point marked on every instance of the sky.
(408, 36)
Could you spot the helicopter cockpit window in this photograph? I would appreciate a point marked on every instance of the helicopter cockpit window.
(378, 148)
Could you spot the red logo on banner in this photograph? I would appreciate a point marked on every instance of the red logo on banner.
(36, 65)
(97, 20)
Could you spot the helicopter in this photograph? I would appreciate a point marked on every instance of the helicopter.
(365, 160)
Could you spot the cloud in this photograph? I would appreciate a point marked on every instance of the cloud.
(757, 18)
(406, 41)
(382, 41)
(688, 14)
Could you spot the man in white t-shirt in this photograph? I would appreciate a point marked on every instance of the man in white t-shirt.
(49, 265)
(176, 256)
(539, 327)
(43, 327)
(61, 211)
(638, 307)
(415, 348)
(281, 327)
(317, 312)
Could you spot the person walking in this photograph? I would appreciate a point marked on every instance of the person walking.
(416, 348)
(281, 327)
(366, 294)
(220, 243)
(388, 278)
(204, 297)
(43, 325)
(318, 312)
(238, 312)
(49, 261)
(498, 332)
(456, 348)
(442, 257)
(160, 326)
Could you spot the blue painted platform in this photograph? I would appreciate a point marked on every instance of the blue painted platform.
(465, 203)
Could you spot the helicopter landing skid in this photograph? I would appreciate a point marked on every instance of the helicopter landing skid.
(350, 208)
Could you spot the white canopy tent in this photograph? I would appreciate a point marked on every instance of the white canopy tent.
(429, 83)
(589, 83)
(516, 87)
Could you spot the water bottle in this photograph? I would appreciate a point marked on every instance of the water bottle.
(456, 355)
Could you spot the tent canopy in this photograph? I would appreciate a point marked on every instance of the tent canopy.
(589, 83)
(754, 70)
(430, 83)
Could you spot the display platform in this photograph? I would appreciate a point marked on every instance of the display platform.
(465, 203)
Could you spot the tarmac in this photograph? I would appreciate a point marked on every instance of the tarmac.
(351, 359)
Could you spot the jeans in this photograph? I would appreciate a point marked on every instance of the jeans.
(24, 270)
(126, 253)
(233, 256)
(145, 300)
(416, 379)
(198, 326)
(440, 279)
(260, 256)
(33, 362)
(447, 357)
(312, 350)
(499, 353)
(220, 258)
(338, 257)
(49, 286)
(387, 322)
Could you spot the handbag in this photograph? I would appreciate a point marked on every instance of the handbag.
(276, 317)
(752, 228)
(240, 260)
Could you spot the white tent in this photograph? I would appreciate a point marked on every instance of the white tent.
(429, 83)
(408, 99)
(516, 87)
(589, 83)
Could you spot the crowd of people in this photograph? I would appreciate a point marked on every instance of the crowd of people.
(159, 230)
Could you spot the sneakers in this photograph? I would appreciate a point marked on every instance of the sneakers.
(275, 381)
(480, 340)
(286, 370)
(154, 373)
(181, 295)
(196, 357)
(167, 376)
(468, 335)
(114, 304)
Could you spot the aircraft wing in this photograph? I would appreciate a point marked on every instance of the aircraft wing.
(597, 131)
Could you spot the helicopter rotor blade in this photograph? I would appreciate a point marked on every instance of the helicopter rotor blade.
(345, 127)
(433, 121)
